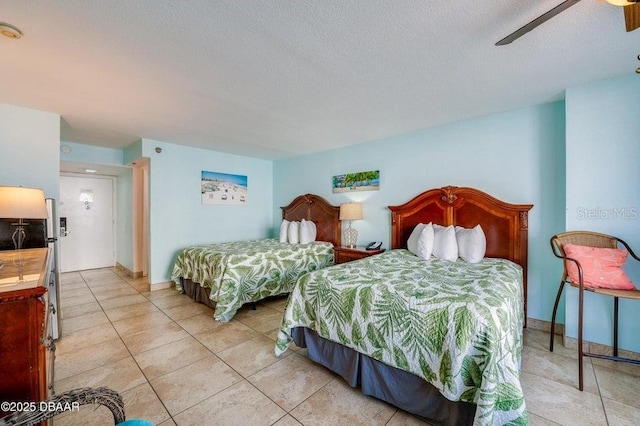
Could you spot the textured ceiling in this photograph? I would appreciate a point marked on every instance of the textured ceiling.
(276, 78)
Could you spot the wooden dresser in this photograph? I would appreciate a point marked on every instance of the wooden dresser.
(26, 346)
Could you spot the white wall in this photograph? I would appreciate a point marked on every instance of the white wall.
(517, 156)
(603, 171)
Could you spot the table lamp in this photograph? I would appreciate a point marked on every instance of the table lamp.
(17, 202)
(350, 212)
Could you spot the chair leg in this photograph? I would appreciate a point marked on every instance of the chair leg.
(580, 350)
(553, 316)
(615, 326)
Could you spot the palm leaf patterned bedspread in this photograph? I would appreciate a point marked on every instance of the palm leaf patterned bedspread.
(455, 324)
(248, 271)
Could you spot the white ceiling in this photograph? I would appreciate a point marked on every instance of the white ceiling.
(276, 78)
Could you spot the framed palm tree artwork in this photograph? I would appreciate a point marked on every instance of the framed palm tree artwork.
(360, 181)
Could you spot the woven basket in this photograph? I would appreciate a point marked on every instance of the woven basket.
(84, 396)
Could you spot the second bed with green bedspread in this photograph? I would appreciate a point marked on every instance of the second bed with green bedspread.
(248, 271)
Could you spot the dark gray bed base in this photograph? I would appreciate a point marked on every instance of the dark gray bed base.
(201, 294)
(197, 292)
(404, 390)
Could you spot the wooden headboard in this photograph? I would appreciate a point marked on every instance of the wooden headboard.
(318, 210)
(505, 225)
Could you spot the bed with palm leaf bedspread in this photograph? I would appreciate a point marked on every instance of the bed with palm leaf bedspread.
(239, 272)
(227, 275)
(441, 339)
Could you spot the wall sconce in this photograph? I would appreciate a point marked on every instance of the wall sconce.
(350, 212)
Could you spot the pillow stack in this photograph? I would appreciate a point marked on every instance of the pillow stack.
(448, 242)
(284, 231)
(445, 245)
(472, 243)
(307, 232)
(294, 232)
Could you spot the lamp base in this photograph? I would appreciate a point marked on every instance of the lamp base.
(18, 235)
(350, 237)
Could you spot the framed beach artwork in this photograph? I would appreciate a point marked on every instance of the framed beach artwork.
(223, 188)
(360, 181)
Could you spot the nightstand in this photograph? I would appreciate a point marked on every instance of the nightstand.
(347, 254)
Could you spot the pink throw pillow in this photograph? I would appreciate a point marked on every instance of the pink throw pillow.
(601, 267)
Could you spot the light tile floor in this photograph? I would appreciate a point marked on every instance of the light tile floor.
(174, 364)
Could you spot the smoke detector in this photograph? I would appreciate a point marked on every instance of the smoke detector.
(10, 31)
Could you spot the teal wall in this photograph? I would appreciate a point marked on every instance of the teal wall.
(132, 152)
(564, 157)
(517, 156)
(177, 216)
(81, 153)
(29, 149)
(603, 171)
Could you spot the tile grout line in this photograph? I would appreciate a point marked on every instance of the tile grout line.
(125, 345)
(190, 335)
(246, 379)
(136, 361)
(287, 412)
(604, 408)
(532, 343)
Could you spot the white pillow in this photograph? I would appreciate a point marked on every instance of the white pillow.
(472, 243)
(445, 245)
(307, 231)
(412, 242)
(294, 232)
(425, 242)
(284, 229)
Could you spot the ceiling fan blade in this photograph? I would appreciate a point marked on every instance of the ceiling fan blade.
(536, 22)
(632, 16)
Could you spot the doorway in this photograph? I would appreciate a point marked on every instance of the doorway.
(87, 225)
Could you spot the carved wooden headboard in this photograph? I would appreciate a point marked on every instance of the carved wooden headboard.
(505, 225)
(318, 210)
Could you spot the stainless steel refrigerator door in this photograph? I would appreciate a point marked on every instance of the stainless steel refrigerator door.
(54, 287)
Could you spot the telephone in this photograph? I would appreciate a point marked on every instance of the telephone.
(375, 245)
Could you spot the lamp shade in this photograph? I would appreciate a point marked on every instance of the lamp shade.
(621, 3)
(350, 211)
(17, 202)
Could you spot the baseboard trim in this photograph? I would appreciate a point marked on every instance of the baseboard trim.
(572, 343)
(162, 285)
(536, 324)
(128, 272)
(597, 348)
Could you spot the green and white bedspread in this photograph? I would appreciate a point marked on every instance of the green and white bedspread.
(248, 271)
(455, 324)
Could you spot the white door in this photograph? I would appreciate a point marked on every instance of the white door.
(86, 213)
